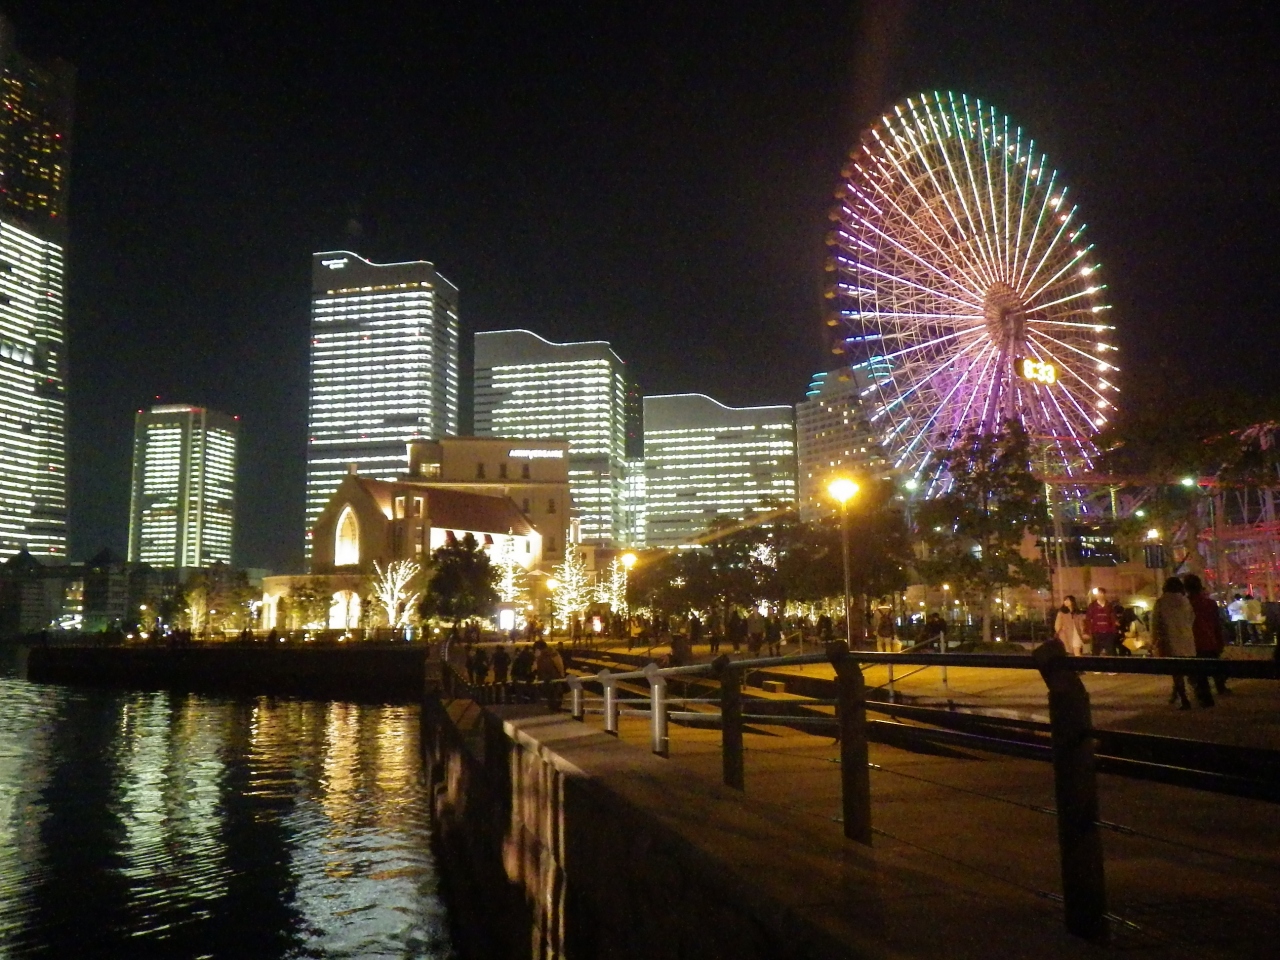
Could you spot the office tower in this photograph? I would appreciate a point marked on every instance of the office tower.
(384, 368)
(529, 387)
(35, 138)
(704, 460)
(182, 510)
(833, 438)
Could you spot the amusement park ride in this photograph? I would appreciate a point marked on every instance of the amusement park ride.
(964, 294)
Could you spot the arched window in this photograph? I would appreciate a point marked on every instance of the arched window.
(346, 546)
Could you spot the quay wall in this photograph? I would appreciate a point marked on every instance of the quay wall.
(557, 840)
(379, 672)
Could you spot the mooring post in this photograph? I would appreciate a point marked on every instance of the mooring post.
(657, 710)
(731, 723)
(610, 702)
(851, 713)
(1075, 785)
(576, 709)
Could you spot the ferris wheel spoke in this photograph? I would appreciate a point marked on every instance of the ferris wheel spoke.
(916, 257)
(906, 178)
(917, 286)
(1062, 271)
(1045, 202)
(1064, 221)
(1075, 296)
(988, 139)
(981, 264)
(980, 232)
(975, 266)
(942, 404)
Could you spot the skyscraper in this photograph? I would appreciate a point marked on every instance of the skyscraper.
(182, 511)
(35, 131)
(704, 460)
(833, 436)
(384, 368)
(529, 387)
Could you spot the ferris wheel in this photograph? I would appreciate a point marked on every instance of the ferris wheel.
(966, 291)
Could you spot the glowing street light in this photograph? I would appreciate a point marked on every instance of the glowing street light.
(842, 490)
(1188, 481)
(1153, 534)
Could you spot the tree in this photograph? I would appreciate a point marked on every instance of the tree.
(309, 603)
(611, 587)
(573, 592)
(974, 532)
(391, 589)
(512, 580)
(463, 582)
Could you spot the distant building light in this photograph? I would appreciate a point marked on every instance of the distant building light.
(335, 264)
(535, 454)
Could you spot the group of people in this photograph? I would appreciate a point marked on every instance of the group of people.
(1185, 622)
(538, 661)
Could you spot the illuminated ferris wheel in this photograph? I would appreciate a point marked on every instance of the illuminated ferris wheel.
(966, 290)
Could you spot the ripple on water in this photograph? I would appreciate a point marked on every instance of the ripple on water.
(179, 825)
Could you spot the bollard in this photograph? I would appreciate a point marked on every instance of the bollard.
(576, 708)
(610, 703)
(657, 710)
(855, 777)
(892, 698)
(731, 726)
(1075, 785)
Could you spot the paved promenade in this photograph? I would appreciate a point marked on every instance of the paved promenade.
(1189, 873)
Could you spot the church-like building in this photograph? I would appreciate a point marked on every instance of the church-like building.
(512, 496)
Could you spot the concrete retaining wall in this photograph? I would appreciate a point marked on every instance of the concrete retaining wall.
(557, 840)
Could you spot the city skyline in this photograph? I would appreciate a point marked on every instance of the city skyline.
(663, 189)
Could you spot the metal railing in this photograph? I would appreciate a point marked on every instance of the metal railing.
(1077, 751)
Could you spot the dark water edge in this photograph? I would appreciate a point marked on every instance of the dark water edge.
(157, 824)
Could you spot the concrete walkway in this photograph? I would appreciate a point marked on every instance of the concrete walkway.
(1189, 874)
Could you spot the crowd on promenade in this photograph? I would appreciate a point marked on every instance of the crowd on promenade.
(1185, 621)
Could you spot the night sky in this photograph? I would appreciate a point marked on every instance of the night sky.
(654, 174)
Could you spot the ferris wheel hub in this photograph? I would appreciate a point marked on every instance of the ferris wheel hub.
(1005, 314)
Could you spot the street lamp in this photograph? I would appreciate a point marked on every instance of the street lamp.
(842, 490)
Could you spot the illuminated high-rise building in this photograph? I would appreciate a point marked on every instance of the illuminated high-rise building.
(834, 437)
(704, 461)
(384, 368)
(182, 510)
(529, 387)
(35, 131)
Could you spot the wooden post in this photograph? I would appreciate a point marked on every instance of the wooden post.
(1075, 785)
(855, 777)
(731, 727)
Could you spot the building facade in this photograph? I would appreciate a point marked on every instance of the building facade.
(531, 388)
(512, 496)
(833, 438)
(35, 144)
(384, 368)
(182, 509)
(704, 460)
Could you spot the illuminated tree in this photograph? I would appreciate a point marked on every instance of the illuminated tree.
(611, 587)
(391, 590)
(309, 603)
(513, 583)
(574, 590)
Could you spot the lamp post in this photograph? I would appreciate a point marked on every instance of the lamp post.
(842, 490)
(552, 586)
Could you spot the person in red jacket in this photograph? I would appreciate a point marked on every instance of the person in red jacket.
(1100, 623)
(1209, 634)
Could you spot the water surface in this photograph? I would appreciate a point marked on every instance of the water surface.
(155, 824)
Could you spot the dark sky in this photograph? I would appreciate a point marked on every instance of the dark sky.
(655, 174)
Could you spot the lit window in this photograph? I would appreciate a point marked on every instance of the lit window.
(417, 507)
(399, 508)
(346, 547)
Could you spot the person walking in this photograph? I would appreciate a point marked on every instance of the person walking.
(522, 671)
(1173, 633)
(695, 631)
(773, 635)
(755, 632)
(935, 630)
(884, 626)
(1207, 629)
(1253, 621)
(1101, 624)
(1067, 626)
(482, 665)
(715, 630)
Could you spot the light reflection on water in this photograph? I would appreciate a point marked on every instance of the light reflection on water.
(177, 825)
